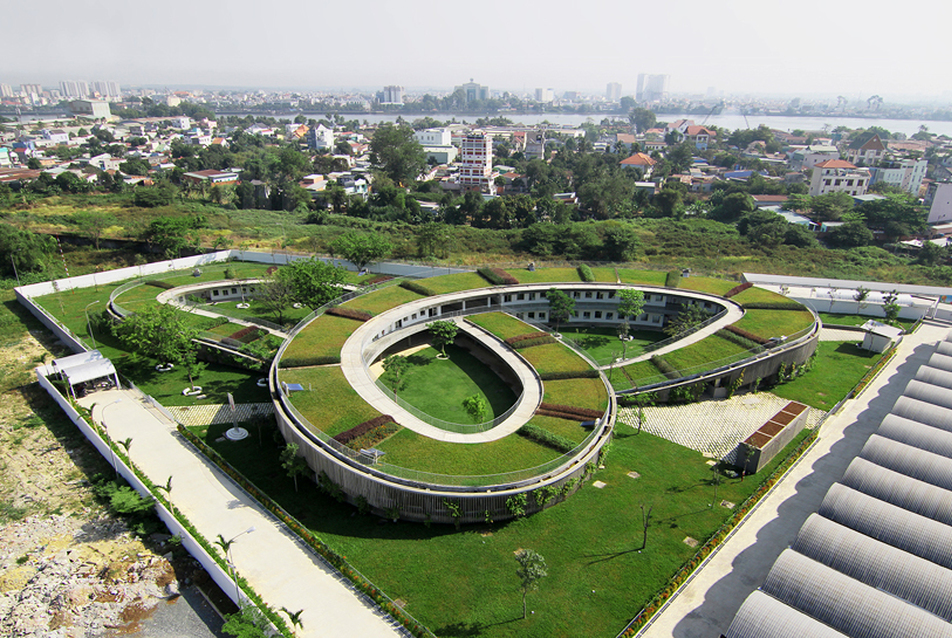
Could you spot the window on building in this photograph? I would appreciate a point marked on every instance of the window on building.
(609, 315)
(520, 296)
(532, 315)
(598, 314)
(506, 298)
(586, 315)
(588, 295)
(214, 293)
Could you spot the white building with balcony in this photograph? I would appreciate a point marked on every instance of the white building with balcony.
(476, 163)
(838, 176)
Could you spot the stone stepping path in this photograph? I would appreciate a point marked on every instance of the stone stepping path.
(212, 414)
(713, 428)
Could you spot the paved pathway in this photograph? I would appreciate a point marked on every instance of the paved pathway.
(170, 297)
(705, 606)
(713, 428)
(270, 557)
(214, 413)
(838, 334)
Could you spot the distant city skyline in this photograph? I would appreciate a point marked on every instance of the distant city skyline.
(736, 47)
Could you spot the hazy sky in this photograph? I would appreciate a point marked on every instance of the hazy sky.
(845, 47)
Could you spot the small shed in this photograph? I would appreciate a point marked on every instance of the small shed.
(879, 336)
(84, 371)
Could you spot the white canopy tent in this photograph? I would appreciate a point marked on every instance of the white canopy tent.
(85, 367)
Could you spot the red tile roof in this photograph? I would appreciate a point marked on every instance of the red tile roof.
(835, 163)
(638, 159)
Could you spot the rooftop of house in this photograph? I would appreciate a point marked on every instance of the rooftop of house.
(638, 159)
(874, 143)
(835, 163)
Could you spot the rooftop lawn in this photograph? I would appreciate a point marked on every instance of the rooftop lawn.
(382, 300)
(554, 357)
(708, 353)
(289, 317)
(455, 283)
(758, 295)
(501, 324)
(581, 393)
(323, 337)
(603, 344)
(647, 277)
(639, 373)
(605, 274)
(545, 275)
(774, 323)
(858, 320)
(328, 401)
(706, 284)
(412, 451)
(570, 429)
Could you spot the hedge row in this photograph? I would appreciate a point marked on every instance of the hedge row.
(158, 283)
(497, 276)
(584, 413)
(364, 428)
(541, 340)
(546, 438)
(585, 273)
(350, 313)
(525, 336)
(738, 289)
(673, 279)
(302, 360)
(419, 289)
(746, 335)
(379, 279)
(773, 305)
(591, 373)
(375, 436)
(665, 368)
(740, 340)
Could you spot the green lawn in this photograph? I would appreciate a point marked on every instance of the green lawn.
(640, 373)
(708, 353)
(603, 344)
(328, 401)
(216, 381)
(381, 300)
(455, 283)
(604, 274)
(837, 368)
(438, 387)
(857, 320)
(774, 323)
(570, 429)
(410, 450)
(464, 584)
(323, 337)
(581, 393)
(647, 277)
(545, 275)
(554, 357)
(706, 284)
(758, 295)
(501, 324)
(289, 317)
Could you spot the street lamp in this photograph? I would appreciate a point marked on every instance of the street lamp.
(102, 421)
(88, 328)
(226, 545)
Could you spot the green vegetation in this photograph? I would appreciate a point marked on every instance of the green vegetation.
(774, 323)
(757, 295)
(554, 357)
(706, 284)
(328, 401)
(603, 343)
(455, 283)
(381, 300)
(711, 352)
(837, 367)
(320, 342)
(647, 277)
(501, 324)
(857, 320)
(545, 275)
(582, 393)
(438, 387)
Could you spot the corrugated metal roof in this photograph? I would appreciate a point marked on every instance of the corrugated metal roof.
(929, 393)
(922, 411)
(763, 615)
(900, 490)
(925, 437)
(908, 460)
(935, 376)
(860, 611)
(877, 564)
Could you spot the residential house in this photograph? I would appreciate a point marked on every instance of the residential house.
(535, 145)
(104, 162)
(906, 174)
(700, 136)
(805, 158)
(320, 138)
(434, 137)
(838, 176)
(640, 161)
(866, 152)
(939, 200)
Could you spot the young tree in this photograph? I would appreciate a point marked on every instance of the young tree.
(292, 463)
(641, 402)
(275, 295)
(443, 334)
(162, 332)
(532, 569)
(174, 234)
(630, 304)
(891, 308)
(313, 282)
(395, 369)
(862, 294)
(361, 249)
(433, 240)
(92, 223)
(476, 406)
(561, 306)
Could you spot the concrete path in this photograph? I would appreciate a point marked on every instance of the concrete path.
(170, 297)
(837, 334)
(214, 413)
(361, 379)
(706, 605)
(270, 558)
